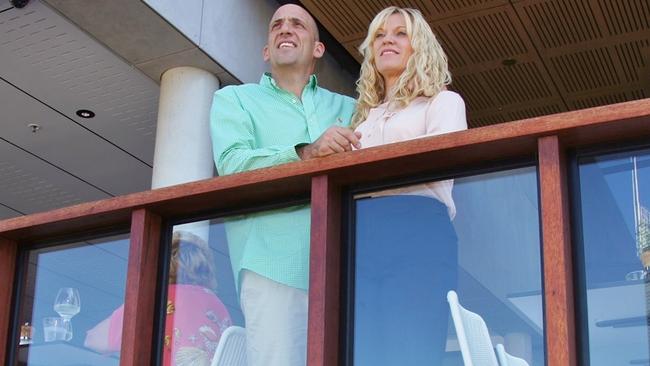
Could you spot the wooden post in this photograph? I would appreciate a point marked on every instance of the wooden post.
(139, 303)
(324, 273)
(558, 268)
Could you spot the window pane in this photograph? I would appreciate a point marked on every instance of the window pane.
(255, 264)
(409, 254)
(614, 202)
(68, 290)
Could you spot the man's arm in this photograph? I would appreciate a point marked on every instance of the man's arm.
(233, 141)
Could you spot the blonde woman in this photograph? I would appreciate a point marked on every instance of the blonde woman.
(406, 247)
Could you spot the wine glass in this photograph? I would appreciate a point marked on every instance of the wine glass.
(67, 304)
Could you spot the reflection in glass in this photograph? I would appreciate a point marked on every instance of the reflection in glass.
(56, 329)
(254, 264)
(411, 250)
(67, 304)
(196, 316)
(614, 200)
(56, 279)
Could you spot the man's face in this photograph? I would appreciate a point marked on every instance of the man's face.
(292, 38)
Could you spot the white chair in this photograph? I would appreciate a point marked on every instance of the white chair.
(473, 336)
(231, 350)
(506, 359)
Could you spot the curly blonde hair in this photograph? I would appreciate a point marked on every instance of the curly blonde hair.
(426, 73)
(192, 262)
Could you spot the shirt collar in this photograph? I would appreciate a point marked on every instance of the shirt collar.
(268, 81)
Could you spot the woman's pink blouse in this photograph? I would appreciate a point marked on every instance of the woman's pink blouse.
(421, 118)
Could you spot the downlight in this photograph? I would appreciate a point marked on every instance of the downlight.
(85, 113)
(19, 3)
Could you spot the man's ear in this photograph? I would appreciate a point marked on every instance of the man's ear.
(319, 49)
(265, 54)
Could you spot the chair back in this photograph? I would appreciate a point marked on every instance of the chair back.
(506, 359)
(231, 350)
(473, 336)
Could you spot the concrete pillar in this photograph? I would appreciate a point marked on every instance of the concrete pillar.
(183, 151)
(183, 148)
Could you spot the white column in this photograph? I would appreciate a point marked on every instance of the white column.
(183, 148)
(183, 151)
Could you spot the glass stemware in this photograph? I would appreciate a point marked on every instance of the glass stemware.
(67, 304)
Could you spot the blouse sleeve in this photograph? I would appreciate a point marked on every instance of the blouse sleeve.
(445, 113)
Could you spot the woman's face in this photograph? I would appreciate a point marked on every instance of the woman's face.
(392, 47)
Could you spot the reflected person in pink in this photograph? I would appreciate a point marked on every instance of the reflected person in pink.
(195, 317)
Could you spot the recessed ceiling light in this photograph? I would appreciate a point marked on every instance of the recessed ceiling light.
(509, 62)
(85, 113)
(19, 3)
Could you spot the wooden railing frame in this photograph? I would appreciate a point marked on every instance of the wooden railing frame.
(559, 316)
(549, 137)
(139, 300)
(8, 259)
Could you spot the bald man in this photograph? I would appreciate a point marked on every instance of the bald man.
(287, 117)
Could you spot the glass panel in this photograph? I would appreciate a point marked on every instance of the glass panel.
(265, 257)
(614, 202)
(408, 255)
(68, 290)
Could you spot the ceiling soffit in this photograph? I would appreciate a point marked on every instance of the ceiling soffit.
(55, 62)
(518, 59)
(51, 69)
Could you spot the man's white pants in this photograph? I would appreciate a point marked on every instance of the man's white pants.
(276, 322)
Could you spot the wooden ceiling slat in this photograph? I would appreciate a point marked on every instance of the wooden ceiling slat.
(626, 16)
(631, 59)
(567, 54)
(599, 100)
(520, 83)
(535, 111)
(442, 9)
(477, 96)
(622, 88)
(454, 56)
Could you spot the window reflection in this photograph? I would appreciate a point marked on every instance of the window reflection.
(202, 301)
(67, 290)
(254, 269)
(196, 314)
(408, 255)
(614, 198)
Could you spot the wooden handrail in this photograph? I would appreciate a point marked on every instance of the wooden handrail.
(616, 122)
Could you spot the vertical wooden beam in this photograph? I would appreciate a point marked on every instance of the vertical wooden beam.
(139, 303)
(8, 253)
(556, 247)
(324, 273)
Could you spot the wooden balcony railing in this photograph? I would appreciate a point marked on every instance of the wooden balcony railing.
(547, 138)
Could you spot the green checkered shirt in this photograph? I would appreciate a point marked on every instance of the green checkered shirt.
(256, 126)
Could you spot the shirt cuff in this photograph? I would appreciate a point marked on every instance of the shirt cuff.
(295, 149)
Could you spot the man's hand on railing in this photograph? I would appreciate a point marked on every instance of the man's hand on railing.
(335, 139)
